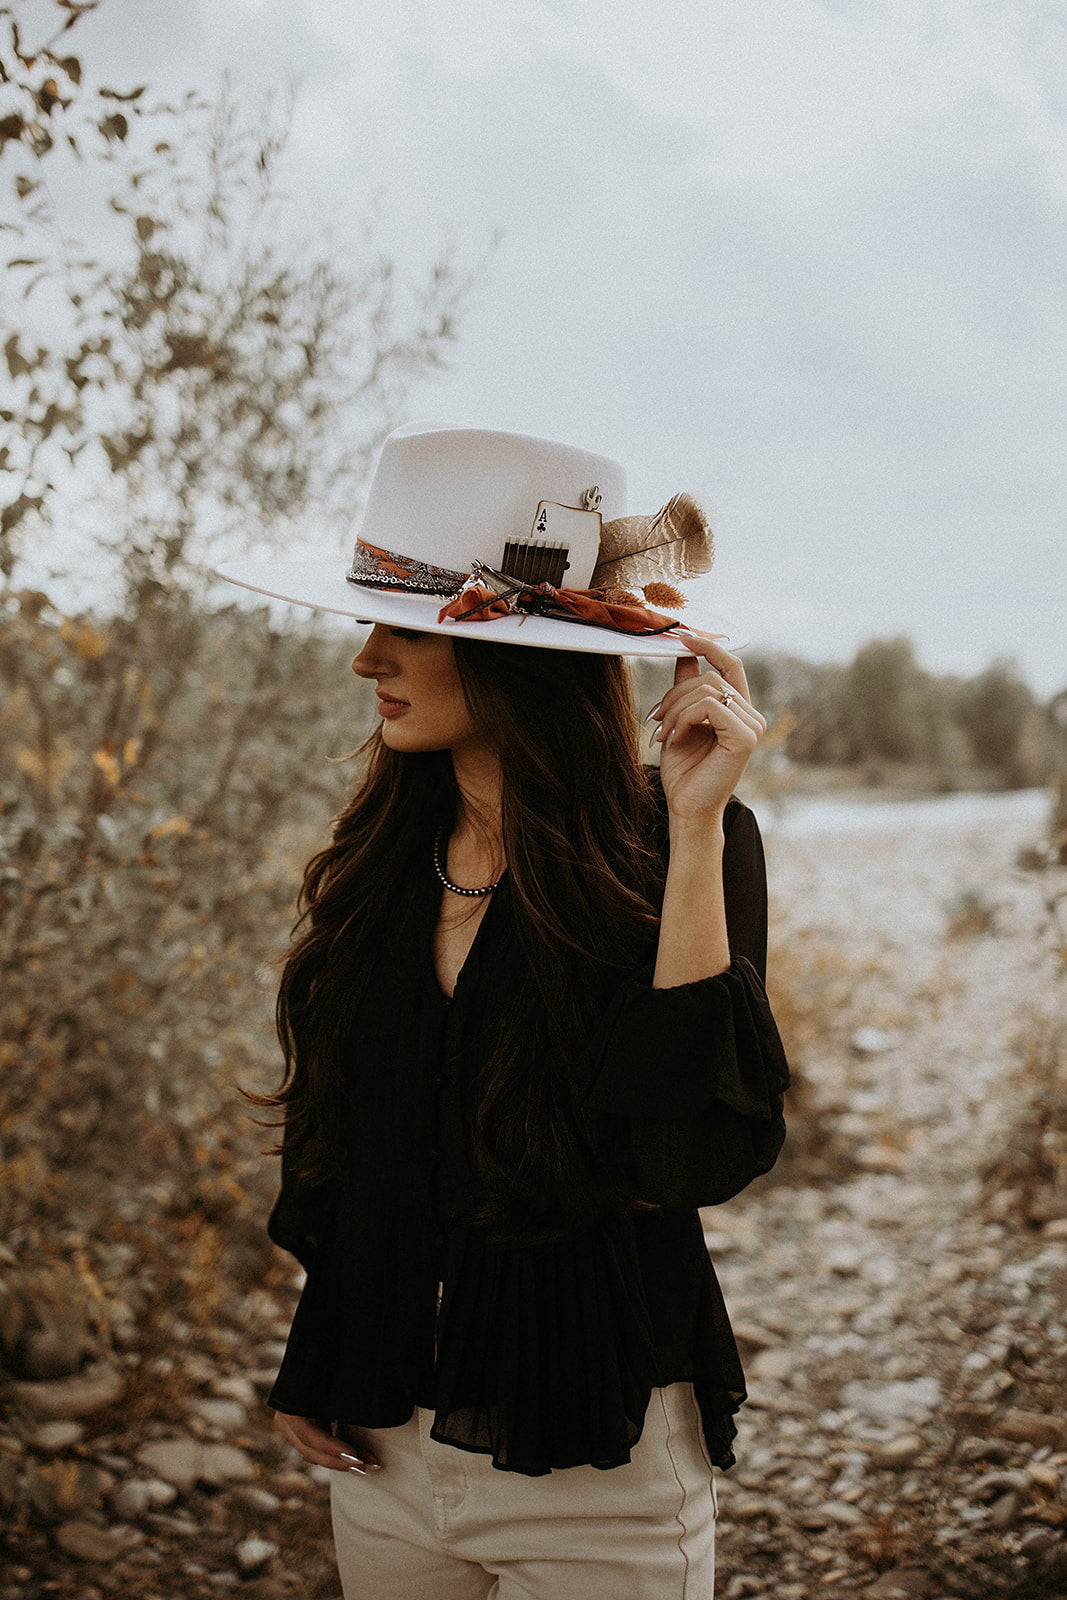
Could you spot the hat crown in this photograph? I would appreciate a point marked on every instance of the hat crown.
(450, 496)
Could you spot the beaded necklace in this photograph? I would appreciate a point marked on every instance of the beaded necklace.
(454, 888)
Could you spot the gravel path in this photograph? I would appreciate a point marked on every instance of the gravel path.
(905, 1348)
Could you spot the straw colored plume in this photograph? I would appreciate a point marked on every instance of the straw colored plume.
(675, 543)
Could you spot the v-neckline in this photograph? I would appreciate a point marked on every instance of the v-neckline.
(486, 916)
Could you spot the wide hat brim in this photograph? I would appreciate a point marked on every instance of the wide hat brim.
(320, 585)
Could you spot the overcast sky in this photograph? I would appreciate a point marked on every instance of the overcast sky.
(804, 258)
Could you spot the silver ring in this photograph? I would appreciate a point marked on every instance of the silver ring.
(728, 698)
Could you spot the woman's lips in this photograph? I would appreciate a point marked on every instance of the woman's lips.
(388, 707)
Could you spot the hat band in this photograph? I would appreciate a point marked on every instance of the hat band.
(384, 569)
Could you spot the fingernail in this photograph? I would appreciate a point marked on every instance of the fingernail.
(653, 712)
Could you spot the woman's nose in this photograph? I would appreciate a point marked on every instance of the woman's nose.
(368, 664)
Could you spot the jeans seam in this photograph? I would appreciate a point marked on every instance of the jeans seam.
(699, 1420)
(681, 1486)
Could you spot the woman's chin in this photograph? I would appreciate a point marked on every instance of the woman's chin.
(392, 735)
(407, 741)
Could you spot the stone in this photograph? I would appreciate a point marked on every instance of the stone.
(64, 1398)
(898, 1452)
(184, 1462)
(869, 1041)
(974, 1449)
(993, 1483)
(225, 1463)
(55, 1436)
(911, 1399)
(814, 1519)
(1045, 1476)
(254, 1553)
(845, 1259)
(902, 1583)
(176, 1461)
(262, 1380)
(291, 1481)
(883, 1158)
(880, 1270)
(43, 1354)
(845, 1515)
(1004, 1512)
(132, 1499)
(743, 1584)
(718, 1244)
(259, 1501)
(183, 1526)
(776, 1363)
(239, 1387)
(1030, 1427)
(1038, 1541)
(752, 1336)
(86, 1542)
(1056, 1228)
(220, 1413)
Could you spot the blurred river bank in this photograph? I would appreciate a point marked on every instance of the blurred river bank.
(867, 811)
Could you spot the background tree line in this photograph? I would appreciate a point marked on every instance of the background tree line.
(883, 711)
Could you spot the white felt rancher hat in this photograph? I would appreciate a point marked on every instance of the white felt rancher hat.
(446, 501)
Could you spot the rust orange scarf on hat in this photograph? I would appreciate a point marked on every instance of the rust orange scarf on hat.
(479, 603)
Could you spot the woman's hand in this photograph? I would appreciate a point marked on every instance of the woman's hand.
(708, 730)
(321, 1448)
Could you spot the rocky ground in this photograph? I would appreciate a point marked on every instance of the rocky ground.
(899, 1289)
(903, 1307)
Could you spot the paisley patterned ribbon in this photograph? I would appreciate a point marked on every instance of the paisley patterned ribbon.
(384, 569)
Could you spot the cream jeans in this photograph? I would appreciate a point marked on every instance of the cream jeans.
(439, 1523)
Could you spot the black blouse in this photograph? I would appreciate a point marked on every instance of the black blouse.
(541, 1354)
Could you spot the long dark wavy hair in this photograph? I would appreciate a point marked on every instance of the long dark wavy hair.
(577, 814)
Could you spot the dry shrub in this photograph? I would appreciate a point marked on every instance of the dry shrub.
(139, 897)
(1027, 1177)
(812, 987)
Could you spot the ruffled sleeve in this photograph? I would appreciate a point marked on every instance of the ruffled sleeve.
(302, 1215)
(686, 1083)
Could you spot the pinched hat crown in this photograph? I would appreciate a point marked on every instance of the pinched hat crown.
(526, 540)
(447, 497)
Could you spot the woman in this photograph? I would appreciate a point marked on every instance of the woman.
(526, 1036)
